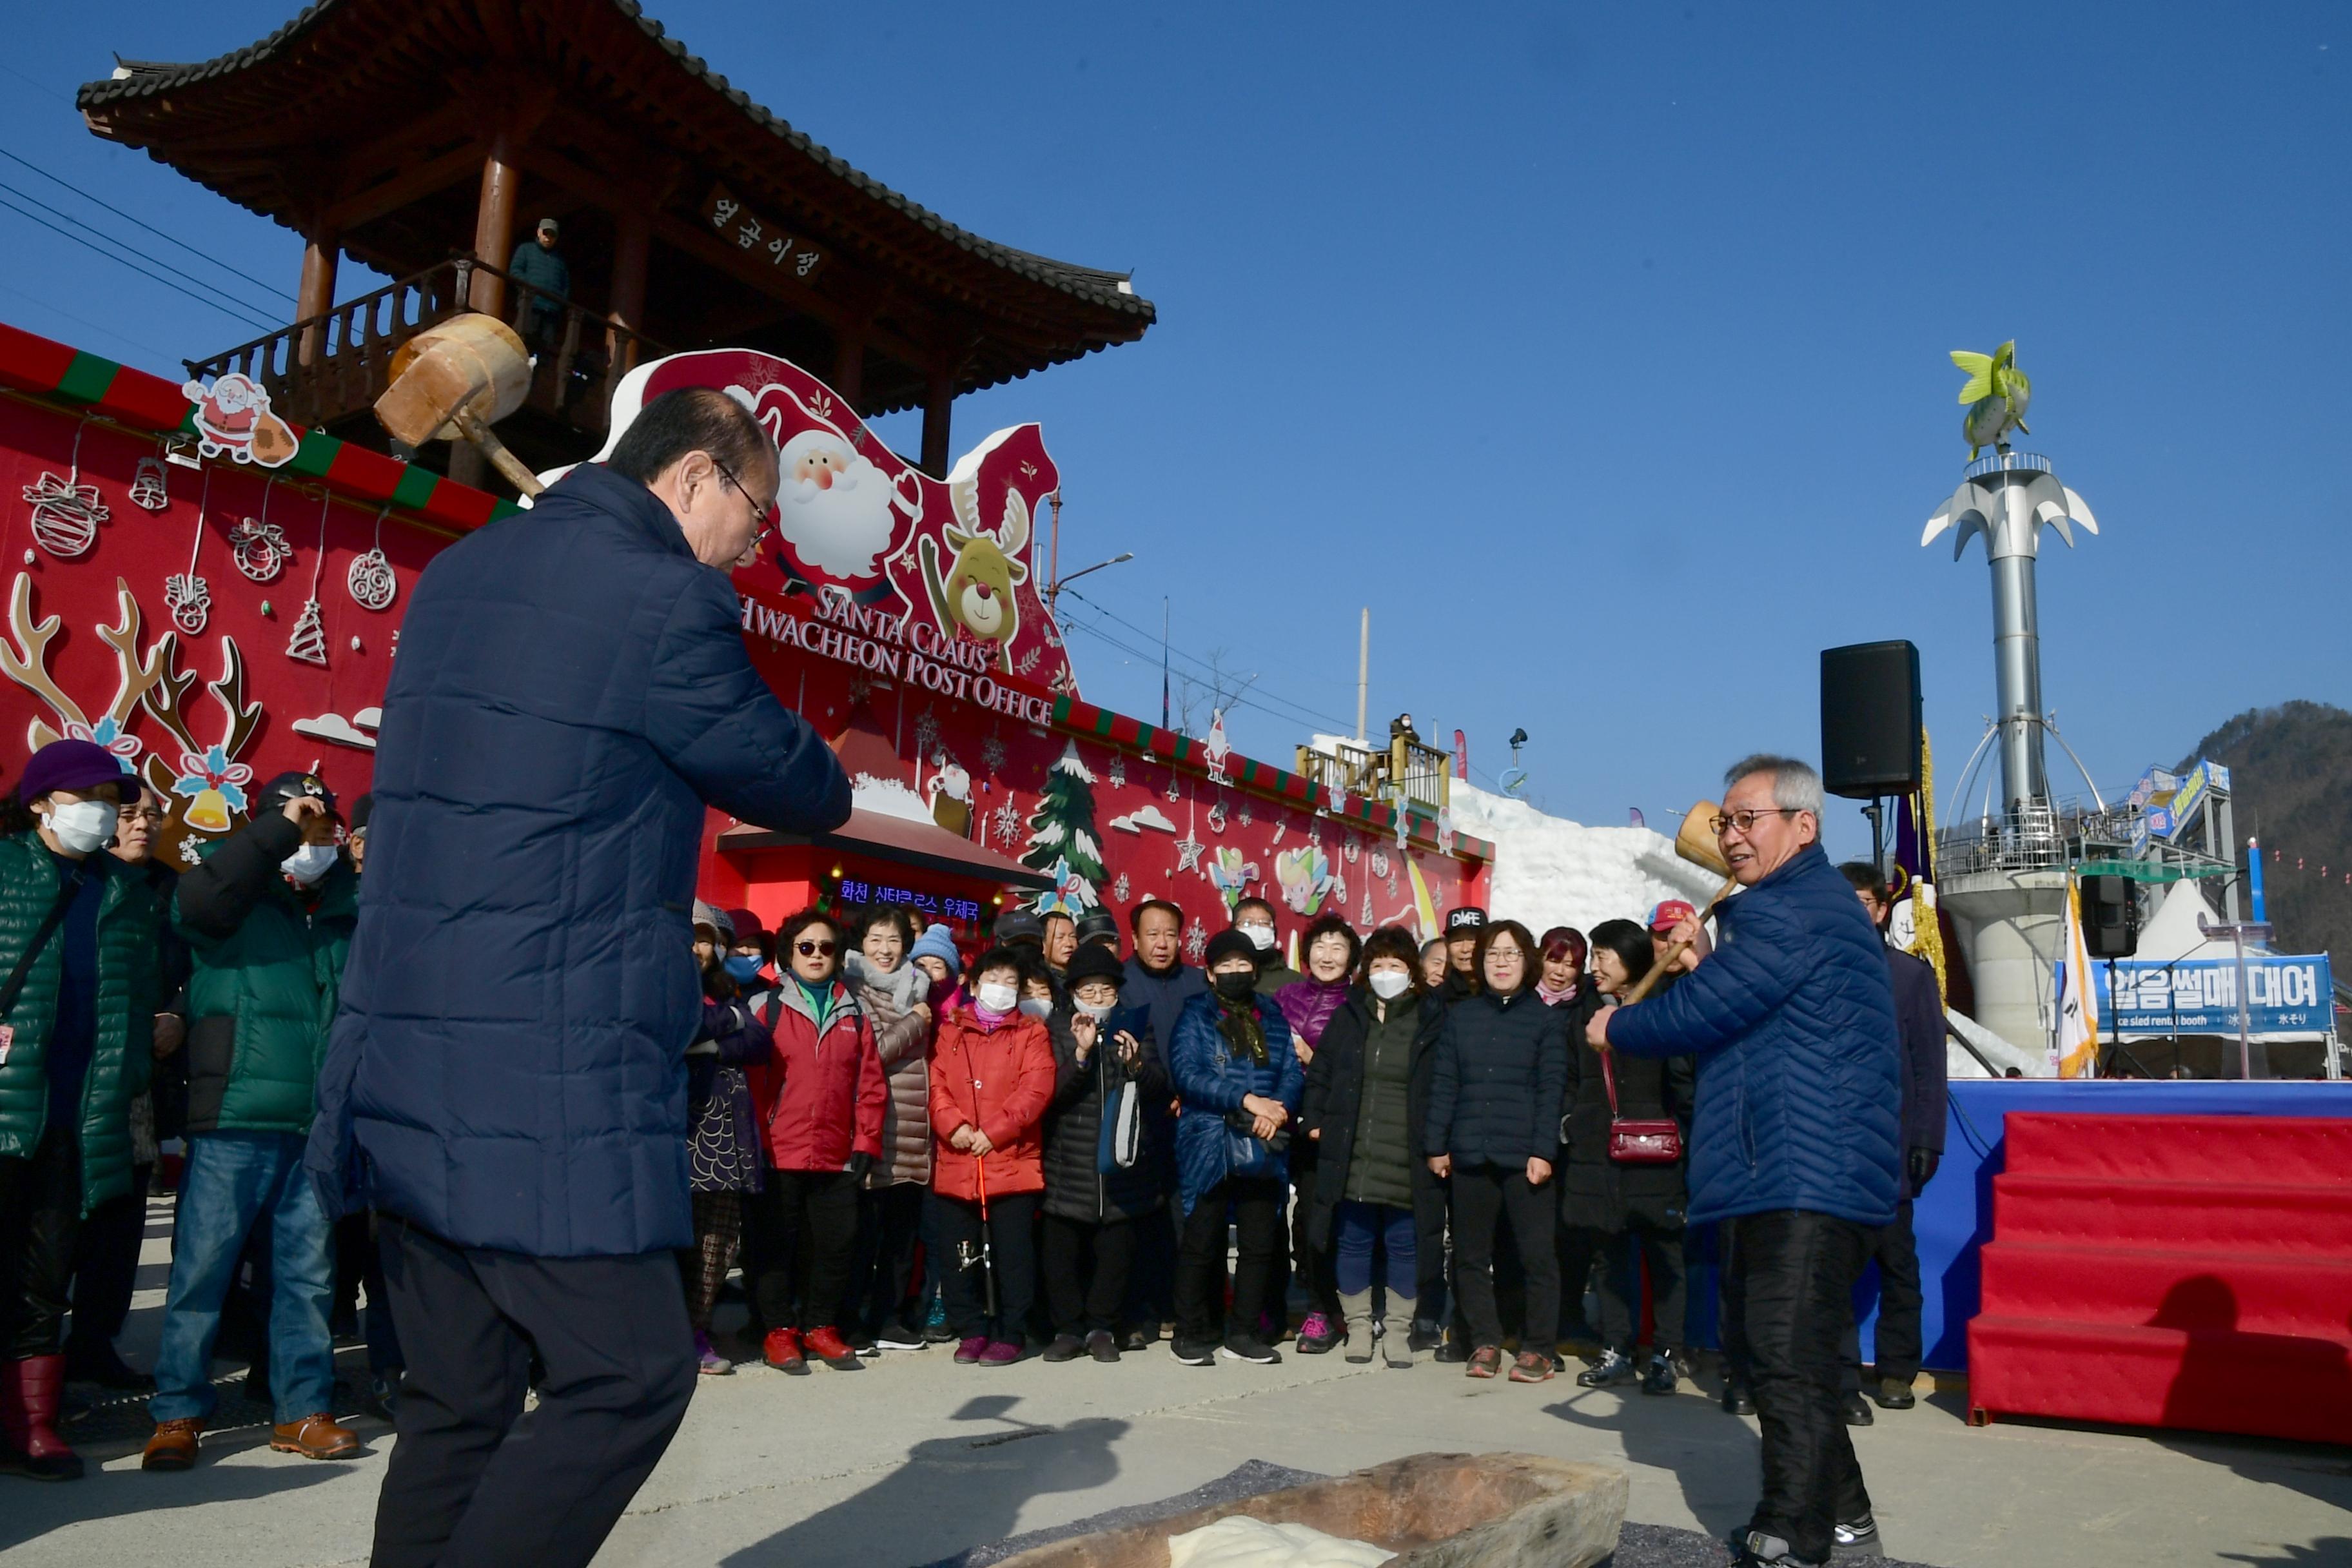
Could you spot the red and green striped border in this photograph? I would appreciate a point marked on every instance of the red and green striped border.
(1075, 715)
(57, 374)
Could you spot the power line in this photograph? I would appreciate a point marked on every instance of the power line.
(1300, 713)
(1276, 707)
(270, 289)
(232, 314)
(205, 283)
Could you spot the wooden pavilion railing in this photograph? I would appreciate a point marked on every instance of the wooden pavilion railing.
(332, 366)
(1406, 770)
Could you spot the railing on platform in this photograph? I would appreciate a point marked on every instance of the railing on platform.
(1406, 771)
(2053, 837)
(337, 363)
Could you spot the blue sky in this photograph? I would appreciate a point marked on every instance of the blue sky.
(1598, 350)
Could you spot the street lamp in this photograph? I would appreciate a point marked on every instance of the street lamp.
(1054, 589)
(2239, 932)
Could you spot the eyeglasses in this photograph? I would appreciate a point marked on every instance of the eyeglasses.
(1745, 820)
(139, 813)
(813, 949)
(758, 511)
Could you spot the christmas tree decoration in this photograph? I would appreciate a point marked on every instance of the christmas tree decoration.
(1063, 841)
(309, 642)
(149, 488)
(66, 512)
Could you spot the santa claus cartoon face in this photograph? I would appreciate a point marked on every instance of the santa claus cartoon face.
(833, 508)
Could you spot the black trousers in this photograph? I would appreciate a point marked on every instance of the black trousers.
(1431, 1198)
(952, 1231)
(106, 1265)
(40, 1219)
(1895, 1249)
(1256, 1203)
(1574, 1244)
(1797, 1270)
(475, 1482)
(1661, 1251)
(1083, 1301)
(889, 1227)
(1307, 1267)
(801, 1215)
(1486, 1197)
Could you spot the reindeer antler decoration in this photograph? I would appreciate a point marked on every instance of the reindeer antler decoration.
(25, 660)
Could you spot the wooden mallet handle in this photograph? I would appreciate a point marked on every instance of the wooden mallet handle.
(1675, 949)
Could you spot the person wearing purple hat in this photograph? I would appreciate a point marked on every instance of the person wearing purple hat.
(79, 982)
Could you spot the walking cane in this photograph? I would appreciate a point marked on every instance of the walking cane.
(987, 1241)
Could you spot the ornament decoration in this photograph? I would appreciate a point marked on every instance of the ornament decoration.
(1196, 941)
(308, 645)
(150, 490)
(67, 512)
(1248, 816)
(1217, 818)
(258, 546)
(1119, 888)
(371, 580)
(185, 595)
(1118, 773)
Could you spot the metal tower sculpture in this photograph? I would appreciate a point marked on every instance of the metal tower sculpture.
(2007, 497)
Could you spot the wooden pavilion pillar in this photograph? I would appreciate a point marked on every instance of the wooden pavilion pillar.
(849, 367)
(316, 294)
(631, 251)
(494, 218)
(936, 406)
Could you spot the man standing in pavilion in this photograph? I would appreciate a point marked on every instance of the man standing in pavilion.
(506, 1083)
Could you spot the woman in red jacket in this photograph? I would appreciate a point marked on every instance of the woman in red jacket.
(992, 1074)
(823, 1089)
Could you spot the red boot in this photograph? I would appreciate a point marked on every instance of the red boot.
(29, 1395)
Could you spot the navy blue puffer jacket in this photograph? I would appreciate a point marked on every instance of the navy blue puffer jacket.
(1792, 1020)
(572, 687)
(1500, 1068)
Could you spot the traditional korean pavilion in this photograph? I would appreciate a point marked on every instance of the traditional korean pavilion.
(426, 138)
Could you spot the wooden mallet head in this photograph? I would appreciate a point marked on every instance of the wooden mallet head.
(1694, 841)
(455, 379)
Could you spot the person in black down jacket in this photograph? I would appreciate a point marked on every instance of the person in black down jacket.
(1606, 1202)
(1363, 1113)
(1093, 1197)
(1500, 1065)
(572, 691)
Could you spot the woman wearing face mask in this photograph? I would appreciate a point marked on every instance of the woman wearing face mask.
(825, 1094)
(268, 915)
(991, 1075)
(1096, 1188)
(1361, 1117)
(1238, 1082)
(892, 994)
(722, 1148)
(1308, 1003)
(1499, 1068)
(746, 958)
(83, 932)
(1606, 1201)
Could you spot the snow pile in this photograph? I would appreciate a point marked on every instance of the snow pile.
(1238, 1541)
(1550, 871)
(887, 797)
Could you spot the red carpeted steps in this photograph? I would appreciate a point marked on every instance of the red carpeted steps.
(2183, 1271)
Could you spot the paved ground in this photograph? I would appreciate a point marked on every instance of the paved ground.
(912, 1460)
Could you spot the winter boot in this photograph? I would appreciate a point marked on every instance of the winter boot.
(1357, 1312)
(29, 1392)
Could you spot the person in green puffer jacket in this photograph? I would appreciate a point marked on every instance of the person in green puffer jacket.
(268, 916)
(79, 939)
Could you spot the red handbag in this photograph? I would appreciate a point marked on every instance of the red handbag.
(1638, 1142)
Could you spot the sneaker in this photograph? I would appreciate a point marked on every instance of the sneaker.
(1755, 1549)
(1856, 1409)
(1484, 1362)
(1065, 1347)
(1194, 1353)
(1248, 1347)
(382, 1398)
(1454, 1352)
(827, 1345)
(707, 1359)
(1614, 1367)
(1859, 1539)
(1531, 1366)
(1658, 1377)
(969, 1350)
(1737, 1398)
(1003, 1352)
(782, 1350)
(1102, 1347)
(934, 1323)
(898, 1336)
(1318, 1333)
(1423, 1338)
(1895, 1394)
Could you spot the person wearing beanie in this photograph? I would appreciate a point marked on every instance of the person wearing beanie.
(935, 954)
(749, 951)
(79, 940)
(1238, 1081)
(1309, 1004)
(1099, 1179)
(268, 914)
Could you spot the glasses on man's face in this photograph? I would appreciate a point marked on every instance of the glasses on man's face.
(1745, 820)
(813, 949)
(147, 814)
(758, 511)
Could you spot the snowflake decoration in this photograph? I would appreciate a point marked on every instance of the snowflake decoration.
(188, 854)
(1196, 941)
(927, 732)
(1118, 889)
(1248, 816)
(1188, 852)
(860, 688)
(991, 756)
(1217, 818)
(1008, 820)
(1119, 774)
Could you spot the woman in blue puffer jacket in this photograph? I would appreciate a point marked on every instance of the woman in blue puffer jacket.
(1238, 1082)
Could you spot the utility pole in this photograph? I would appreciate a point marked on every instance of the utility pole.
(1363, 671)
(1163, 661)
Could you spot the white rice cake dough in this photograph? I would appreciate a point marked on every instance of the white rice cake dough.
(1240, 1542)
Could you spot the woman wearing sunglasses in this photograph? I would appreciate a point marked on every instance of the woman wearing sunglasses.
(825, 1089)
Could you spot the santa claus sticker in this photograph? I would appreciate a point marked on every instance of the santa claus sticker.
(859, 525)
(233, 419)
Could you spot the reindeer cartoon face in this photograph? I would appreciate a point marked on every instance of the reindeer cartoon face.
(980, 587)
